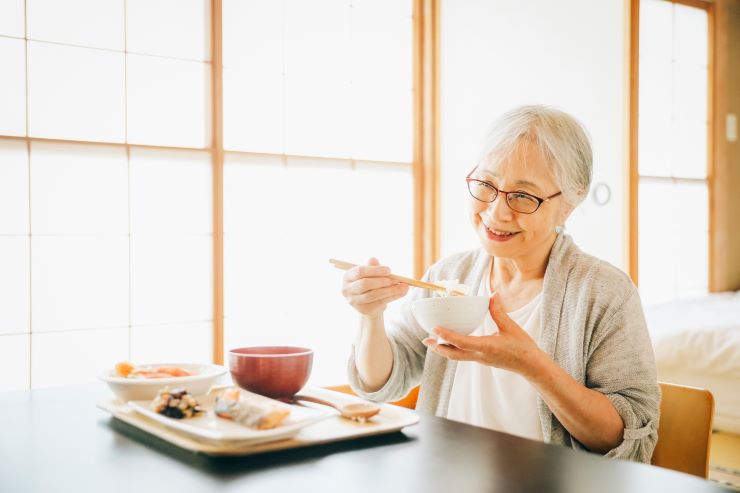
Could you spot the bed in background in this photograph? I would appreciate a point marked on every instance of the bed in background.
(697, 343)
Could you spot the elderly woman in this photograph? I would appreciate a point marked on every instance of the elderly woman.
(565, 356)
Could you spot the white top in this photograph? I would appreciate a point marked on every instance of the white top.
(493, 398)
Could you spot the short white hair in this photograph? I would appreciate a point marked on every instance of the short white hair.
(560, 139)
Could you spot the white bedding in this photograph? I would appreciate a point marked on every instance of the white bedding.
(697, 342)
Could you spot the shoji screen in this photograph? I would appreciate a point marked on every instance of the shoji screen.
(105, 245)
(318, 133)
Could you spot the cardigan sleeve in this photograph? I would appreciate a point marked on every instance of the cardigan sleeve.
(621, 366)
(409, 353)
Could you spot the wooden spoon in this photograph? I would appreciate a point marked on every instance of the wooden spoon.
(358, 411)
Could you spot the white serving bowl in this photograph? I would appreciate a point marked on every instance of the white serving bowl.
(462, 314)
(137, 389)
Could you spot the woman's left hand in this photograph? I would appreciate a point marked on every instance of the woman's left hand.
(511, 348)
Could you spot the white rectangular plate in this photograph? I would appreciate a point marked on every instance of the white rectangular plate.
(208, 426)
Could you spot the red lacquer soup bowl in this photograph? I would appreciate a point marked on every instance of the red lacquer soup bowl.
(273, 371)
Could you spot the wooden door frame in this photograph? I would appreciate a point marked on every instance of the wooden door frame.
(631, 143)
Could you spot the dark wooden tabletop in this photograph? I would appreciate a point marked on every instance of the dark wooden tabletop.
(57, 440)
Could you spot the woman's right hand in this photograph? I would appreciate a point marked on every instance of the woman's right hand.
(369, 289)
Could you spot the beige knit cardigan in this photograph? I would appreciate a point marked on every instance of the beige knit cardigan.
(593, 326)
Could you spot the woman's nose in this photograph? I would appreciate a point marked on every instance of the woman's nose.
(499, 210)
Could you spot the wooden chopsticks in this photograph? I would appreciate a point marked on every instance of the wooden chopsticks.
(339, 264)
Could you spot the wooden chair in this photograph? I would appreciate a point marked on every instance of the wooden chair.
(685, 429)
(409, 401)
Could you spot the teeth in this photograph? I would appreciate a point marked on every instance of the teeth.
(499, 233)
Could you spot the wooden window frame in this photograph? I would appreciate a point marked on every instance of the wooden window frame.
(426, 160)
(424, 166)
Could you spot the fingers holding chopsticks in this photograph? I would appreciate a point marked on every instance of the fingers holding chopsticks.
(369, 289)
(372, 269)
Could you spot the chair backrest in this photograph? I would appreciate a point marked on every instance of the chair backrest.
(685, 429)
(409, 401)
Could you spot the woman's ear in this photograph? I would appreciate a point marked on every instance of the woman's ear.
(563, 215)
(566, 207)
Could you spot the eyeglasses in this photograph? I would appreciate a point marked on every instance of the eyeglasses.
(517, 201)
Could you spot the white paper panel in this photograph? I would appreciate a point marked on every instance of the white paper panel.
(168, 102)
(329, 211)
(253, 35)
(690, 35)
(91, 23)
(75, 93)
(673, 91)
(78, 189)
(171, 192)
(381, 71)
(655, 152)
(673, 245)
(79, 283)
(14, 285)
(76, 357)
(13, 87)
(689, 148)
(317, 84)
(248, 180)
(172, 28)
(320, 79)
(254, 113)
(254, 86)
(690, 92)
(13, 187)
(171, 279)
(12, 18)
(656, 88)
(185, 343)
(15, 362)
(656, 30)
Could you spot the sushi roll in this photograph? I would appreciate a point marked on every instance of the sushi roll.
(176, 403)
(249, 409)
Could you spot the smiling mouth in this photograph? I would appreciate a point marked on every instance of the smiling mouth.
(500, 232)
(500, 235)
